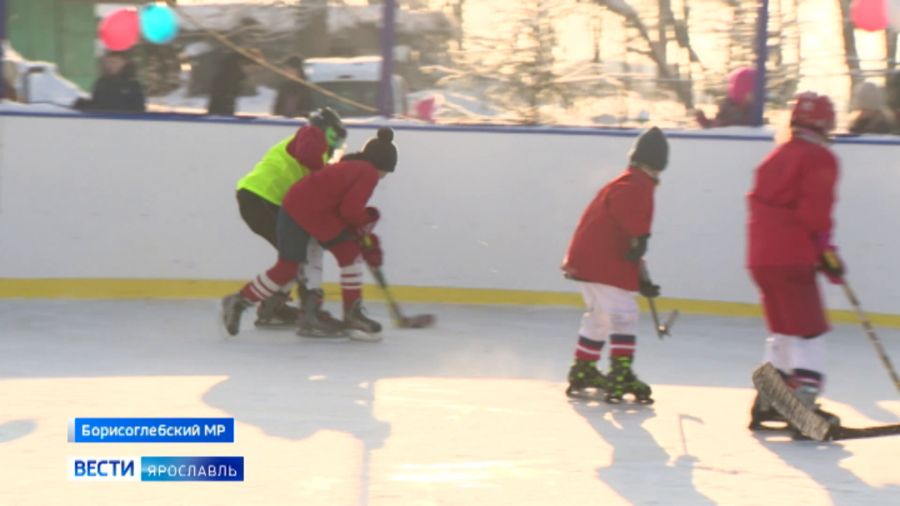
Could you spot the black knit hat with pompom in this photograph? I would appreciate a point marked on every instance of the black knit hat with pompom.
(381, 151)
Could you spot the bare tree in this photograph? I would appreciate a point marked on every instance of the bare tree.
(656, 49)
(851, 56)
(516, 66)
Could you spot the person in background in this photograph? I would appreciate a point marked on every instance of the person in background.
(871, 116)
(293, 99)
(892, 92)
(118, 89)
(737, 108)
(228, 81)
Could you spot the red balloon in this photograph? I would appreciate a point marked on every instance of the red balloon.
(869, 15)
(120, 30)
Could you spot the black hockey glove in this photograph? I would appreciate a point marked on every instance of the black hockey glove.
(638, 248)
(648, 289)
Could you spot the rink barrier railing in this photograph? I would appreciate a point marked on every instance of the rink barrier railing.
(136, 289)
(366, 124)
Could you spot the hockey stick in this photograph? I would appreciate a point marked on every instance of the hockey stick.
(661, 329)
(771, 385)
(870, 333)
(405, 322)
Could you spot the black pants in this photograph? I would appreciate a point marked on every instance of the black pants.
(259, 214)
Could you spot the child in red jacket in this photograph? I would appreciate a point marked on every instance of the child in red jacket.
(328, 206)
(605, 255)
(789, 238)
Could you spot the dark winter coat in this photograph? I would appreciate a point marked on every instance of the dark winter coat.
(875, 123)
(226, 86)
(120, 93)
(293, 100)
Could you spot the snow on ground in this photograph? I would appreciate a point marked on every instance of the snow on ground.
(469, 412)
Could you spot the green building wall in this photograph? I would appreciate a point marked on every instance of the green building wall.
(59, 31)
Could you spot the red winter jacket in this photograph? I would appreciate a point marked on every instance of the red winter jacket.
(790, 204)
(327, 202)
(621, 211)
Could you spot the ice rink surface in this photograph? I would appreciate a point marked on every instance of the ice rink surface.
(471, 412)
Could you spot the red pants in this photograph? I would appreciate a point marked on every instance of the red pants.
(790, 297)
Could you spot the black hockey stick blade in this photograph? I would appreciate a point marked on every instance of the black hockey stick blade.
(404, 322)
(419, 321)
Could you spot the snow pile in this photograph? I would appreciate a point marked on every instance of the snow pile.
(38, 81)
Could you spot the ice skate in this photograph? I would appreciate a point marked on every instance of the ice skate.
(275, 312)
(314, 299)
(356, 319)
(585, 381)
(316, 322)
(621, 380)
(763, 414)
(232, 307)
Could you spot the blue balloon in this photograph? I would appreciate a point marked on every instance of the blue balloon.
(159, 24)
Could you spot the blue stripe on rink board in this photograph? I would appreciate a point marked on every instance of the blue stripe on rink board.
(496, 129)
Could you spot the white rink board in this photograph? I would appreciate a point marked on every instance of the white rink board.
(467, 207)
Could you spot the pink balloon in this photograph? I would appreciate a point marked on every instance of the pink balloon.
(120, 30)
(869, 15)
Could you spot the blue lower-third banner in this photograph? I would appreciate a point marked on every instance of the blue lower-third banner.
(192, 468)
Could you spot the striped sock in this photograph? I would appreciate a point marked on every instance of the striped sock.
(806, 378)
(351, 284)
(588, 349)
(267, 284)
(622, 345)
(260, 288)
